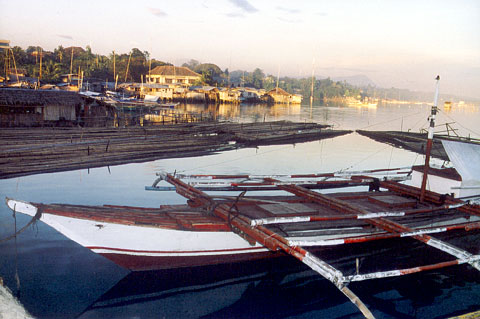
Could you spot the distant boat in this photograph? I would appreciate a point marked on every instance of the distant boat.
(447, 105)
(361, 104)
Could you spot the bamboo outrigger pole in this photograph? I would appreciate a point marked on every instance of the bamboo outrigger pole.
(429, 141)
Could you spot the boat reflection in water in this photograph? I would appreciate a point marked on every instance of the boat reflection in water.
(283, 287)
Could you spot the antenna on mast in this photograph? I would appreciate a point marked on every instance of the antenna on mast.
(431, 129)
(278, 79)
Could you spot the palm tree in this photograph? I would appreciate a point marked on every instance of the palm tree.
(52, 72)
(59, 53)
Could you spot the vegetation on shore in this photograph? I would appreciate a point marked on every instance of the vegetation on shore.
(104, 67)
(72, 59)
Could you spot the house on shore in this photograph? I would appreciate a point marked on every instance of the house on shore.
(163, 91)
(169, 74)
(250, 95)
(203, 94)
(229, 95)
(281, 96)
(25, 107)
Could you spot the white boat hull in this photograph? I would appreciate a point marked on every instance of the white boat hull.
(147, 248)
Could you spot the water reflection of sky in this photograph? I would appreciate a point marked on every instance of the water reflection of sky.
(61, 279)
(382, 117)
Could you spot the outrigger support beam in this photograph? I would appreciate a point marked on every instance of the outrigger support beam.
(255, 230)
(385, 224)
(269, 239)
(271, 182)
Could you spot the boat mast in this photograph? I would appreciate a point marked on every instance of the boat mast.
(313, 81)
(429, 141)
(128, 64)
(14, 65)
(114, 74)
(40, 69)
(71, 68)
(278, 79)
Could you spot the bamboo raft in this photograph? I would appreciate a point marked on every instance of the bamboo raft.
(44, 150)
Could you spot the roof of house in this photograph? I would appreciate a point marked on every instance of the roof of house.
(202, 88)
(173, 70)
(28, 97)
(278, 91)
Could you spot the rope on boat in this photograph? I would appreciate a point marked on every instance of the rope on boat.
(33, 220)
(232, 207)
(460, 124)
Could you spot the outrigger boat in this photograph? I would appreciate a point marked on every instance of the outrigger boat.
(295, 220)
(226, 229)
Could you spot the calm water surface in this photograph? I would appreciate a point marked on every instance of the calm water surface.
(60, 279)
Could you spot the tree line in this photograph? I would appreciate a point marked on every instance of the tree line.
(133, 66)
(71, 60)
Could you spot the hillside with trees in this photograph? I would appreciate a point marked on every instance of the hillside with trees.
(131, 66)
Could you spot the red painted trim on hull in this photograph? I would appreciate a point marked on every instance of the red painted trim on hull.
(176, 251)
(141, 263)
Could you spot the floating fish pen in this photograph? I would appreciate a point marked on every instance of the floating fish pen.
(415, 142)
(42, 150)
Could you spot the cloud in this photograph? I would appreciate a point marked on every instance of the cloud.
(157, 12)
(244, 5)
(65, 36)
(289, 20)
(288, 10)
(357, 70)
(322, 14)
(235, 15)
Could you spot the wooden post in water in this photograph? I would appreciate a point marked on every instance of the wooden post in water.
(429, 141)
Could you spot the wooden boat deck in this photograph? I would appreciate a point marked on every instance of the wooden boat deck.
(329, 221)
(181, 217)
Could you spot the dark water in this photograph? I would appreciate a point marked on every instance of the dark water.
(60, 279)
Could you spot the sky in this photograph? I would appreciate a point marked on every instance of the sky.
(402, 44)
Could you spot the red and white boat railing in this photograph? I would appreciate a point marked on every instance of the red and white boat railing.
(271, 182)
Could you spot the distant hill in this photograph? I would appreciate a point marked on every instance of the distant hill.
(359, 80)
